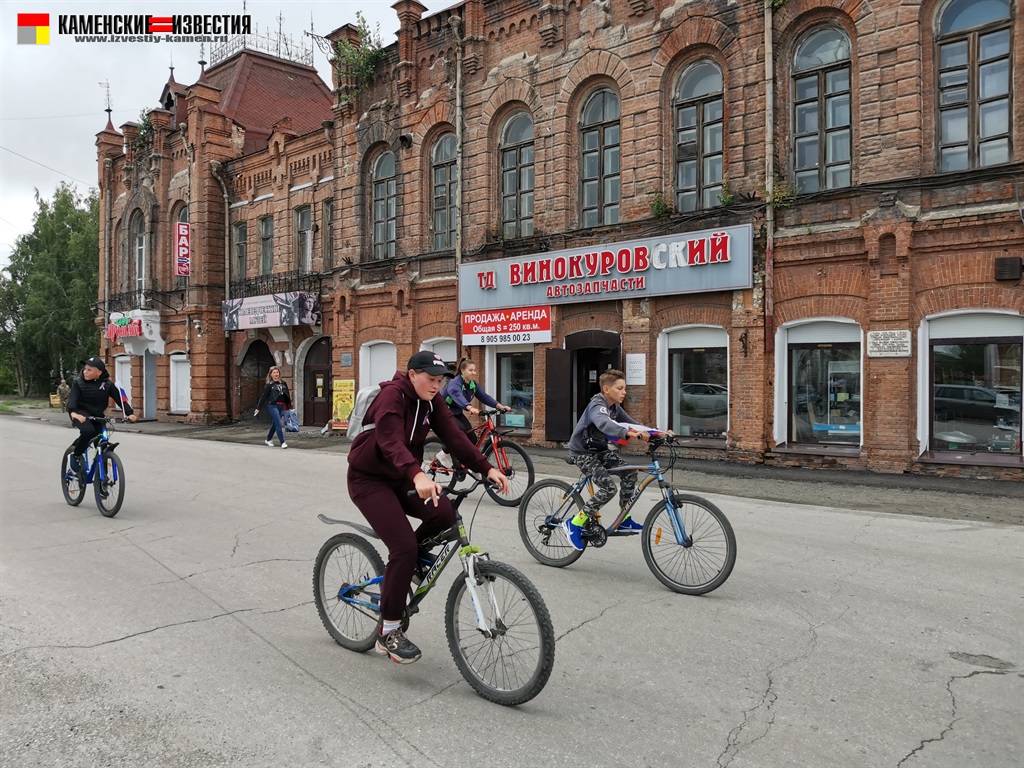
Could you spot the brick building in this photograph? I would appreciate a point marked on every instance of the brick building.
(811, 257)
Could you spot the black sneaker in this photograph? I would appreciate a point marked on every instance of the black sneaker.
(397, 646)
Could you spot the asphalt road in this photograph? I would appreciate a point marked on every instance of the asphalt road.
(183, 633)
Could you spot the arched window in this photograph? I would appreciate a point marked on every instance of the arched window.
(137, 233)
(442, 163)
(698, 107)
(182, 280)
(385, 201)
(599, 160)
(974, 84)
(516, 150)
(821, 111)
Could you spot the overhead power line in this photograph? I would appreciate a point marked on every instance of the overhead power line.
(61, 173)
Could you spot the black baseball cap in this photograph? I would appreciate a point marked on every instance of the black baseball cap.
(428, 362)
(95, 362)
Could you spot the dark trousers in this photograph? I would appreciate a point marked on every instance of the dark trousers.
(596, 466)
(275, 410)
(385, 506)
(87, 430)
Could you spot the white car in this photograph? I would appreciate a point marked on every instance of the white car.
(703, 399)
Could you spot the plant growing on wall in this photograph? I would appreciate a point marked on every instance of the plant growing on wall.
(783, 194)
(659, 206)
(145, 137)
(358, 63)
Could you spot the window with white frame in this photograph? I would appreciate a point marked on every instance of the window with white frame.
(181, 383)
(239, 235)
(138, 241)
(266, 245)
(514, 388)
(698, 381)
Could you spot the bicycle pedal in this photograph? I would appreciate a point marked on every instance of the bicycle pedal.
(622, 533)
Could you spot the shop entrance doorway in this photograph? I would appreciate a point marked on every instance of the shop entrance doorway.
(316, 400)
(572, 378)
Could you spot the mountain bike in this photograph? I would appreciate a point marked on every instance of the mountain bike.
(104, 472)
(498, 628)
(687, 541)
(509, 457)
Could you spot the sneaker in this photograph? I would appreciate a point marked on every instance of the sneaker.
(284, 445)
(443, 459)
(397, 646)
(269, 443)
(629, 525)
(574, 534)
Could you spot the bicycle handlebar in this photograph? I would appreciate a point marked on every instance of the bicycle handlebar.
(478, 480)
(488, 412)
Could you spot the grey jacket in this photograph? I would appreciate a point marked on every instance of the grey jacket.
(599, 419)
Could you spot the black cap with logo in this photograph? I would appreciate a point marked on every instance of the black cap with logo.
(428, 362)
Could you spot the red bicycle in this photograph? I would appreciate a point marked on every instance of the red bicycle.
(509, 457)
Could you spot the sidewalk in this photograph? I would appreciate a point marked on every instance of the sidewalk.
(962, 499)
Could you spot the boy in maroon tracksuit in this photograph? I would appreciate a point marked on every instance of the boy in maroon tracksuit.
(384, 464)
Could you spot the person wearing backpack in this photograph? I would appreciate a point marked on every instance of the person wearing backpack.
(458, 394)
(384, 465)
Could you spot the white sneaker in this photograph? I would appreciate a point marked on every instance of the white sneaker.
(269, 443)
(284, 445)
(444, 459)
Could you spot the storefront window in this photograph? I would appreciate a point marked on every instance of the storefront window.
(976, 395)
(698, 391)
(515, 387)
(824, 394)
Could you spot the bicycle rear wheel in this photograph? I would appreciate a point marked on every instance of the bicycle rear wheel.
(71, 482)
(700, 566)
(444, 476)
(515, 463)
(345, 560)
(512, 662)
(108, 484)
(543, 508)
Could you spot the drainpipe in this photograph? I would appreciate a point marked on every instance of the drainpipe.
(218, 170)
(108, 167)
(769, 182)
(456, 23)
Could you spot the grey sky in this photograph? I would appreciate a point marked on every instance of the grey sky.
(51, 100)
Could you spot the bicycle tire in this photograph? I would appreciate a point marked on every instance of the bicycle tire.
(526, 639)
(109, 484)
(353, 627)
(543, 508)
(518, 470)
(71, 482)
(706, 563)
(435, 470)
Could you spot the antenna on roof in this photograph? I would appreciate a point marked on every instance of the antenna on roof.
(106, 85)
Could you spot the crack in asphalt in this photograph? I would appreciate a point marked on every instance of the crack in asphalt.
(290, 607)
(125, 637)
(239, 536)
(953, 716)
(587, 621)
(432, 696)
(770, 696)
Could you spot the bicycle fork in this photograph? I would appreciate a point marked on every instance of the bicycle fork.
(473, 583)
(675, 518)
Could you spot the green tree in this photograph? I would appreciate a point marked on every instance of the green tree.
(47, 297)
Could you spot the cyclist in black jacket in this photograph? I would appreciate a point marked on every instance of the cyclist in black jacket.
(91, 392)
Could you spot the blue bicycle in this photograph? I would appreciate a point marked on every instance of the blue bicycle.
(103, 471)
(687, 541)
(498, 627)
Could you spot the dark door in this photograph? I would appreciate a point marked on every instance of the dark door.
(253, 378)
(316, 393)
(558, 421)
(588, 365)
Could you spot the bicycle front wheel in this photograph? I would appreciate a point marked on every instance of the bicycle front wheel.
(435, 470)
(511, 661)
(71, 482)
(515, 463)
(108, 484)
(543, 509)
(702, 564)
(346, 560)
